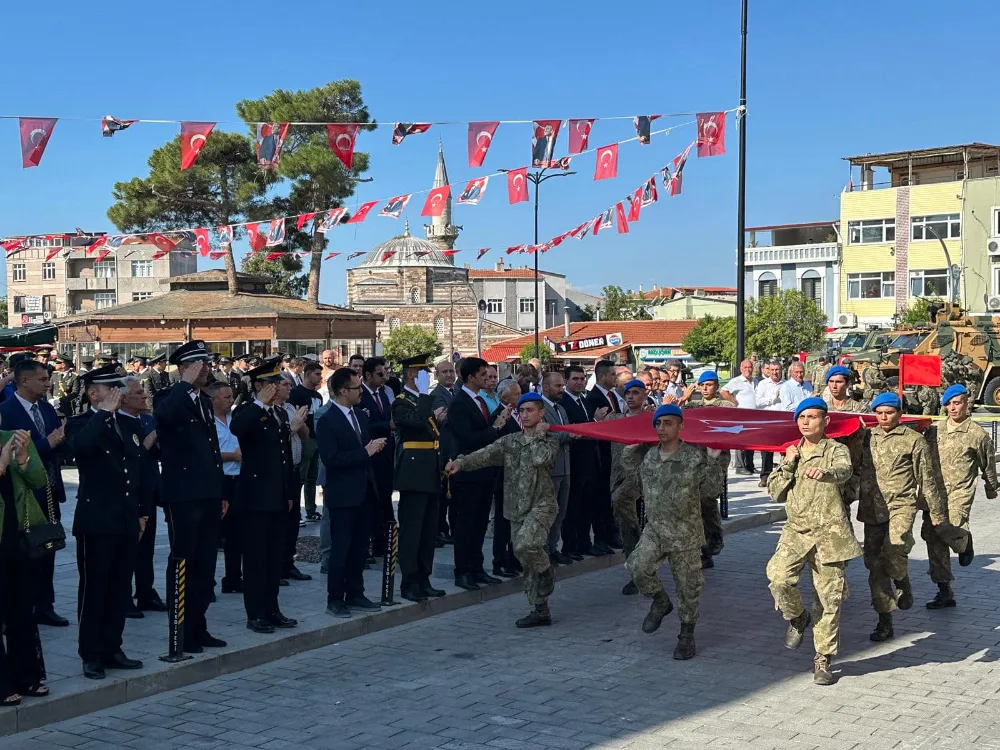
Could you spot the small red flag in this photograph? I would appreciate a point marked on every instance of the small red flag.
(607, 162)
(303, 219)
(711, 133)
(258, 241)
(622, 221)
(355, 255)
(480, 139)
(387, 254)
(919, 369)
(162, 243)
(362, 212)
(450, 252)
(403, 129)
(193, 137)
(517, 185)
(482, 252)
(330, 255)
(217, 255)
(514, 249)
(579, 135)
(341, 139)
(437, 199)
(634, 205)
(12, 247)
(101, 256)
(35, 134)
(52, 253)
(275, 255)
(202, 241)
(96, 244)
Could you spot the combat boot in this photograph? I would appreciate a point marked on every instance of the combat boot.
(685, 642)
(823, 670)
(547, 581)
(796, 629)
(707, 561)
(882, 631)
(904, 593)
(943, 598)
(539, 616)
(630, 589)
(965, 558)
(660, 608)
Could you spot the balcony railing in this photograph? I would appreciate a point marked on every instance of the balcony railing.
(814, 253)
(90, 283)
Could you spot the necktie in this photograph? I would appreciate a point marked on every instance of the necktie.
(357, 427)
(36, 415)
(483, 409)
(559, 414)
(614, 402)
(378, 401)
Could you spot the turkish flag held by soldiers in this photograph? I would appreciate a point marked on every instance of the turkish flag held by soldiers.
(193, 138)
(35, 134)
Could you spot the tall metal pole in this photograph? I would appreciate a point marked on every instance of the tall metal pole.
(741, 119)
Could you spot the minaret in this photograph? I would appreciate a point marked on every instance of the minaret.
(441, 231)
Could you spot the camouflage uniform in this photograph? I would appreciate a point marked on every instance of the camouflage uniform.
(673, 487)
(819, 375)
(855, 443)
(928, 400)
(529, 503)
(625, 497)
(757, 366)
(960, 453)
(710, 515)
(818, 533)
(874, 382)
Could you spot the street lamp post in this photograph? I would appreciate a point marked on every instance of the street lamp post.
(741, 116)
(538, 178)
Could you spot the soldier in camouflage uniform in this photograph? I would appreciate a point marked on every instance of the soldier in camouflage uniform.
(873, 380)
(708, 385)
(627, 496)
(675, 476)
(837, 397)
(818, 533)
(819, 373)
(902, 461)
(529, 500)
(961, 451)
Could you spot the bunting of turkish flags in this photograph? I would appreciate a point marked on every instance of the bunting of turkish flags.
(607, 162)
(330, 255)
(201, 239)
(96, 244)
(35, 134)
(622, 222)
(52, 253)
(193, 137)
(437, 199)
(162, 243)
(579, 135)
(258, 241)
(711, 133)
(275, 255)
(341, 139)
(517, 185)
(103, 255)
(217, 255)
(362, 212)
(303, 218)
(480, 139)
(634, 205)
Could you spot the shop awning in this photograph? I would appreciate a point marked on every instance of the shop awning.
(27, 336)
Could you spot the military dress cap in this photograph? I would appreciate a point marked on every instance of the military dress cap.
(667, 410)
(225, 361)
(887, 399)
(310, 357)
(64, 358)
(141, 360)
(107, 375)
(19, 357)
(423, 361)
(952, 391)
(634, 383)
(814, 402)
(707, 376)
(162, 357)
(269, 372)
(86, 360)
(529, 397)
(838, 370)
(192, 351)
(255, 361)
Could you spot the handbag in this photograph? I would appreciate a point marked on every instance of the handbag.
(44, 538)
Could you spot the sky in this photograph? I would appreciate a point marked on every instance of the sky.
(825, 80)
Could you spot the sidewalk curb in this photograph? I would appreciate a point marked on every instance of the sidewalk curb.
(116, 691)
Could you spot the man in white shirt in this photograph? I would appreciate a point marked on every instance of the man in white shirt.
(232, 543)
(674, 386)
(768, 396)
(794, 390)
(742, 388)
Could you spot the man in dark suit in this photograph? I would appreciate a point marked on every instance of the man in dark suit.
(110, 517)
(553, 387)
(261, 497)
(377, 406)
(472, 492)
(441, 398)
(582, 469)
(29, 410)
(346, 450)
(307, 395)
(191, 485)
(603, 396)
(418, 479)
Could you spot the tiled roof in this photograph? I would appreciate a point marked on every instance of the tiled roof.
(669, 291)
(510, 273)
(634, 333)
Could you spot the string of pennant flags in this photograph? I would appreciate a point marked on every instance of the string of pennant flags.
(710, 141)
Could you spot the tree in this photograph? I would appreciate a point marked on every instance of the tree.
(712, 340)
(409, 341)
(622, 305)
(917, 313)
(784, 325)
(219, 189)
(285, 273)
(318, 178)
(3, 312)
(528, 352)
(587, 313)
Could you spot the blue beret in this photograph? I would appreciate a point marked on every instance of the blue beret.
(838, 370)
(887, 399)
(707, 376)
(815, 402)
(527, 398)
(951, 391)
(667, 410)
(636, 383)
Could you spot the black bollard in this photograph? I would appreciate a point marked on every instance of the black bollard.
(175, 615)
(389, 565)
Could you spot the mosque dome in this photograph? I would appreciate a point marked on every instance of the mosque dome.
(406, 251)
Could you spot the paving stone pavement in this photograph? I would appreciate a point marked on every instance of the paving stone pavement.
(469, 680)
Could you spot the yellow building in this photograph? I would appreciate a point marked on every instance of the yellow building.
(902, 230)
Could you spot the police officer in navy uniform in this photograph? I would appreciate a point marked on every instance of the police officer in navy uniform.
(111, 513)
(191, 486)
(418, 479)
(262, 496)
(150, 379)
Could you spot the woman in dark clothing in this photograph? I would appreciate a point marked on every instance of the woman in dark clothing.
(22, 668)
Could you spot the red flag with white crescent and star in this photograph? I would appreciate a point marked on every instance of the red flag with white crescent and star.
(403, 129)
(111, 125)
(193, 137)
(52, 253)
(436, 201)
(275, 232)
(725, 429)
(35, 134)
(102, 255)
(258, 241)
(362, 212)
(217, 255)
(274, 255)
(331, 219)
(341, 139)
(99, 242)
(579, 135)
(387, 254)
(482, 252)
(634, 205)
(642, 127)
(303, 219)
(395, 206)
(449, 253)
(225, 234)
(514, 249)
(607, 162)
(517, 185)
(328, 256)
(473, 192)
(480, 139)
(12, 247)
(543, 142)
(270, 139)
(202, 241)
(620, 216)
(162, 243)
(711, 133)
